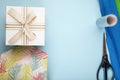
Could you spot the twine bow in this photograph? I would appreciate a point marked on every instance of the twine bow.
(25, 26)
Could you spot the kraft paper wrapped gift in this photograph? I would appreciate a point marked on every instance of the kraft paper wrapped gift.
(25, 26)
(23, 63)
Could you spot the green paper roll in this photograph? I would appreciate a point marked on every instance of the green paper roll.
(117, 2)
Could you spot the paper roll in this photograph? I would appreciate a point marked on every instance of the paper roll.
(107, 21)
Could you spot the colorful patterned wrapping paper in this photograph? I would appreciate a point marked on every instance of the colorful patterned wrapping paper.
(23, 63)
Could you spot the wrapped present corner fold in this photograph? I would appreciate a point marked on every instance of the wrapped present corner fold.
(25, 21)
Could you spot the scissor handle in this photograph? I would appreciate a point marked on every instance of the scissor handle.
(113, 74)
(105, 72)
(98, 72)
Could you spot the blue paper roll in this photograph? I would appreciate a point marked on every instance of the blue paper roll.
(112, 35)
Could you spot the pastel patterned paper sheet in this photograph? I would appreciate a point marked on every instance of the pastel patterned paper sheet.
(23, 63)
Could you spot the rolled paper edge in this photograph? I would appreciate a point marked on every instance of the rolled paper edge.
(115, 19)
(102, 21)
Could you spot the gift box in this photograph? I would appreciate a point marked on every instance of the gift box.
(25, 26)
(23, 63)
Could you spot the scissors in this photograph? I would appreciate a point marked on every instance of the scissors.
(105, 65)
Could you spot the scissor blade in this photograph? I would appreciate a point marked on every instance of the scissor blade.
(104, 45)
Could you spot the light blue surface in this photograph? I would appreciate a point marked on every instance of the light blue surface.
(73, 41)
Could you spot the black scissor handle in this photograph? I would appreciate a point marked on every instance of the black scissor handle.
(113, 74)
(98, 71)
(105, 72)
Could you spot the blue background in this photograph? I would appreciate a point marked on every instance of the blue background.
(73, 41)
